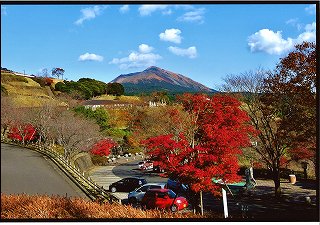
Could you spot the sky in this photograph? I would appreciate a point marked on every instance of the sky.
(205, 42)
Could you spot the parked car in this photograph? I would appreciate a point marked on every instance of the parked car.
(163, 199)
(148, 165)
(137, 195)
(177, 186)
(127, 184)
(140, 164)
(157, 169)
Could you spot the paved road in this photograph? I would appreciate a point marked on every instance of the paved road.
(26, 171)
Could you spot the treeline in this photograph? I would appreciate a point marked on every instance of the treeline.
(86, 88)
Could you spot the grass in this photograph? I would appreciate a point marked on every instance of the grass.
(24, 206)
(34, 101)
(24, 91)
(120, 98)
(9, 77)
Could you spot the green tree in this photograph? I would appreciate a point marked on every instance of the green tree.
(116, 89)
(100, 116)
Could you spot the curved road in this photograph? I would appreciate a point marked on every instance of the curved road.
(27, 171)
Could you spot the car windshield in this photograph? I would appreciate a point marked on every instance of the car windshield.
(171, 194)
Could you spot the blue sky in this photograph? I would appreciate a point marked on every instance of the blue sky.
(203, 42)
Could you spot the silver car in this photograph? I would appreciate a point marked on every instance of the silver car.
(137, 195)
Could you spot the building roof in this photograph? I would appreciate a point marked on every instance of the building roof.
(104, 102)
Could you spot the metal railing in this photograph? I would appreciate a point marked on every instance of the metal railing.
(86, 184)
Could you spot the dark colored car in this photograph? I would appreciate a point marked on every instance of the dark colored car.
(177, 186)
(127, 184)
(163, 199)
(158, 169)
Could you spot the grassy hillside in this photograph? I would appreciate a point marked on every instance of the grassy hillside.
(132, 99)
(25, 91)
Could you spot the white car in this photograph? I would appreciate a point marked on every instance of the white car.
(145, 165)
(140, 164)
(137, 195)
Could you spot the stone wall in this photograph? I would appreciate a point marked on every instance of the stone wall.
(83, 161)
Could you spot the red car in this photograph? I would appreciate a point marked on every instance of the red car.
(163, 199)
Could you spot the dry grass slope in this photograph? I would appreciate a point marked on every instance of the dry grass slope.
(131, 99)
(25, 91)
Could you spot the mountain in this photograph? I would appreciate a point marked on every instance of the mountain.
(157, 79)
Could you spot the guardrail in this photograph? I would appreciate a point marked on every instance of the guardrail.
(88, 186)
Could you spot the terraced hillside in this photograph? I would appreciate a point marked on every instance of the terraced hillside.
(25, 91)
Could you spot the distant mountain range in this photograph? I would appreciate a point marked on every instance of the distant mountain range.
(157, 79)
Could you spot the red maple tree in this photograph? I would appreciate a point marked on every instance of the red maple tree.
(103, 147)
(22, 133)
(209, 148)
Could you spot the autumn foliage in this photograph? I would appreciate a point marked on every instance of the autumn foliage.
(22, 133)
(103, 147)
(209, 148)
(55, 207)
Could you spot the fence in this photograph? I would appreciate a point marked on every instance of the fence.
(88, 186)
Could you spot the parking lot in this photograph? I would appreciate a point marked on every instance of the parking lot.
(258, 204)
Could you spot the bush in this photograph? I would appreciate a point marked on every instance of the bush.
(60, 86)
(115, 132)
(55, 207)
(98, 160)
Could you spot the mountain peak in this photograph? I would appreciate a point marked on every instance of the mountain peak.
(157, 79)
(152, 68)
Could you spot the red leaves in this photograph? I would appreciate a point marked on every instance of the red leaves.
(48, 81)
(22, 133)
(301, 152)
(103, 147)
(221, 129)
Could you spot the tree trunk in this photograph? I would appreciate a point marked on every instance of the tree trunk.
(201, 203)
(276, 180)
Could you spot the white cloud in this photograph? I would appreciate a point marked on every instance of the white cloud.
(273, 43)
(143, 58)
(295, 23)
(3, 10)
(193, 16)
(124, 9)
(308, 35)
(90, 57)
(90, 13)
(167, 12)
(143, 48)
(311, 9)
(146, 10)
(190, 52)
(172, 35)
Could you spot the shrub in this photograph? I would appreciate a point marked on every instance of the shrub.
(44, 207)
(98, 160)
(103, 147)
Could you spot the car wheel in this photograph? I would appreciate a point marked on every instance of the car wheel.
(113, 189)
(132, 200)
(174, 208)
